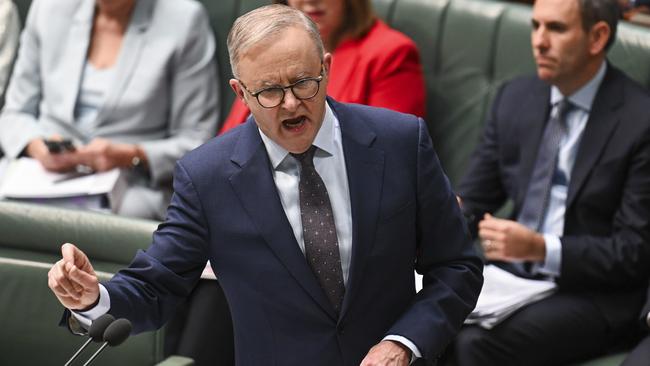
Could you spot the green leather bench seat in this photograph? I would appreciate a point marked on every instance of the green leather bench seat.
(29, 332)
(30, 242)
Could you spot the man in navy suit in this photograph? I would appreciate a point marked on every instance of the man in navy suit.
(240, 202)
(570, 148)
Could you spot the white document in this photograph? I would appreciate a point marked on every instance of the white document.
(504, 293)
(25, 178)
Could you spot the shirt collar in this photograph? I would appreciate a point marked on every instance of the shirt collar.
(324, 139)
(583, 98)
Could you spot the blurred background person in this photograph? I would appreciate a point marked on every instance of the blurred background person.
(131, 82)
(372, 63)
(9, 32)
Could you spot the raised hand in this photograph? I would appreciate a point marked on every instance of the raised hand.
(73, 280)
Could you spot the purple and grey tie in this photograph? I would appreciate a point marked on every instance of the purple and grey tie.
(319, 230)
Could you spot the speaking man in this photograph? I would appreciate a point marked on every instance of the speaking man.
(313, 213)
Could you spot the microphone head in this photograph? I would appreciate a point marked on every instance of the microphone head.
(98, 326)
(117, 332)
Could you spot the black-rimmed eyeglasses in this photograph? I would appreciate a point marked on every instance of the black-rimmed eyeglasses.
(273, 96)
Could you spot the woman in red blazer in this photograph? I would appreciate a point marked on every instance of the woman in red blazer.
(372, 63)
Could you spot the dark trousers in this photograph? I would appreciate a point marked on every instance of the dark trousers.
(202, 328)
(558, 330)
(640, 355)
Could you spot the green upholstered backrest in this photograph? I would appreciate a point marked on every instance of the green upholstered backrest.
(29, 333)
(43, 229)
(30, 242)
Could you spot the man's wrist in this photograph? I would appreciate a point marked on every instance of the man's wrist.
(89, 307)
(539, 247)
(407, 351)
(412, 350)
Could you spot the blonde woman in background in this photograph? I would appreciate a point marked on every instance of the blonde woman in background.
(9, 32)
(131, 82)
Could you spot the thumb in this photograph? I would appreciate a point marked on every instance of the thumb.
(73, 255)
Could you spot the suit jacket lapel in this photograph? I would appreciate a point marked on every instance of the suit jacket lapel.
(601, 123)
(129, 54)
(254, 185)
(76, 50)
(533, 116)
(365, 169)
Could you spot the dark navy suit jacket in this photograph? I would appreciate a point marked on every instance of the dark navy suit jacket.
(606, 239)
(226, 208)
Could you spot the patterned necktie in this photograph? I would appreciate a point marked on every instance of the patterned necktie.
(319, 231)
(539, 187)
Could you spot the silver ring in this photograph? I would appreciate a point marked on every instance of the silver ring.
(488, 244)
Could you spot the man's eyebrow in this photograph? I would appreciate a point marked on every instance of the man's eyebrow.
(557, 25)
(267, 84)
(270, 84)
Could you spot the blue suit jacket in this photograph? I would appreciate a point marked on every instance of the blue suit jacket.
(226, 208)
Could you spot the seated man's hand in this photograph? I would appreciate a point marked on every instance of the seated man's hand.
(507, 240)
(73, 280)
(61, 162)
(387, 353)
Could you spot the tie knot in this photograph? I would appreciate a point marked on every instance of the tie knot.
(563, 107)
(306, 158)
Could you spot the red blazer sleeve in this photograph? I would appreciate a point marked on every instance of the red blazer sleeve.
(397, 80)
(381, 69)
(238, 114)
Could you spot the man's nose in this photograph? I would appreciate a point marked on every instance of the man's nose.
(290, 101)
(539, 38)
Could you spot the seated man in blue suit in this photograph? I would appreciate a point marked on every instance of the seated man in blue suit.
(570, 147)
(313, 213)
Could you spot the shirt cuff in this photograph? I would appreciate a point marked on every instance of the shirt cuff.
(551, 265)
(415, 352)
(102, 307)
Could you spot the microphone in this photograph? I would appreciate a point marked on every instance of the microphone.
(95, 332)
(116, 333)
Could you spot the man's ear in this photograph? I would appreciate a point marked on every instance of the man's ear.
(327, 63)
(237, 88)
(598, 37)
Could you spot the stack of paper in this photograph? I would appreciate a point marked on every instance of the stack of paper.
(26, 179)
(503, 293)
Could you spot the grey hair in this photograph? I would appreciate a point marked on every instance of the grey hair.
(264, 23)
(594, 11)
